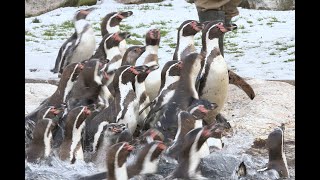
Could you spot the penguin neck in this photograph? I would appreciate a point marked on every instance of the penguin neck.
(209, 47)
(140, 88)
(120, 173)
(188, 78)
(114, 55)
(97, 135)
(194, 156)
(185, 44)
(149, 166)
(113, 52)
(47, 140)
(149, 57)
(76, 136)
(80, 26)
(112, 29)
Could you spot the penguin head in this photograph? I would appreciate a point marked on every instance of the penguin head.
(83, 13)
(175, 69)
(160, 147)
(113, 39)
(190, 28)
(200, 108)
(216, 129)
(114, 18)
(215, 30)
(153, 37)
(275, 144)
(152, 135)
(77, 115)
(72, 71)
(132, 54)
(119, 152)
(114, 129)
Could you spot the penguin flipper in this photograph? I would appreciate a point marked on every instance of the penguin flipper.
(241, 83)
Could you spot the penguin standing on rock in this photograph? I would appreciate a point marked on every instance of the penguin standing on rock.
(80, 46)
(71, 148)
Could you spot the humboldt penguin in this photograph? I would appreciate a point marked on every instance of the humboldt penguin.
(40, 146)
(277, 157)
(122, 109)
(71, 148)
(184, 94)
(80, 46)
(111, 24)
(110, 136)
(214, 79)
(190, 155)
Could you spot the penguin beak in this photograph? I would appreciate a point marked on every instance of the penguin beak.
(203, 109)
(161, 146)
(128, 147)
(223, 28)
(90, 9)
(121, 36)
(143, 49)
(126, 14)
(142, 68)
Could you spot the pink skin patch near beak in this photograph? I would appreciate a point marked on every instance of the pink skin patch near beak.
(161, 146)
(221, 27)
(206, 133)
(179, 64)
(195, 27)
(81, 66)
(134, 71)
(120, 16)
(128, 147)
(105, 75)
(86, 111)
(203, 109)
(117, 37)
(54, 111)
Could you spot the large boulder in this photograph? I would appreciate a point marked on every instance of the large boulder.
(138, 1)
(281, 5)
(37, 7)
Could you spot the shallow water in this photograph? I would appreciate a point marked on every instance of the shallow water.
(218, 165)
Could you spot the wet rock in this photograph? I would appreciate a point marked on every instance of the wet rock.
(138, 1)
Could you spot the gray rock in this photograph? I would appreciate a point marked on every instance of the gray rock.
(138, 1)
(281, 5)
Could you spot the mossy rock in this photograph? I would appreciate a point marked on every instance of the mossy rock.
(133, 42)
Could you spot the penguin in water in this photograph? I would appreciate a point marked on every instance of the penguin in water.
(58, 98)
(111, 24)
(80, 46)
(190, 154)
(143, 162)
(109, 137)
(170, 75)
(189, 120)
(277, 157)
(71, 148)
(183, 97)
(40, 146)
(46, 112)
(124, 104)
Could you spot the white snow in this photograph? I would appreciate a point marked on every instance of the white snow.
(262, 47)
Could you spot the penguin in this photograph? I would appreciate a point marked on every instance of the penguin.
(189, 120)
(170, 75)
(58, 98)
(184, 94)
(132, 54)
(129, 58)
(190, 154)
(146, 160)
(214, 69)
(80, 46)
(277, 157)
(71, 148)
(109, 137)
(40, 146)
(185, 42)
(185, 46)
(87, 88)
(111, 24)
(116, 163)
(150, 58)
(46, 112)
(143, 162)
(141, 94)
(122, 109)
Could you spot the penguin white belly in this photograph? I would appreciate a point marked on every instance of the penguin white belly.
(85, 48)
(123, 47)
(79, 153)
(130, 118)
(216, 87)
(153, 82)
